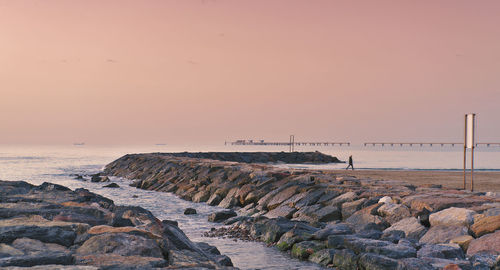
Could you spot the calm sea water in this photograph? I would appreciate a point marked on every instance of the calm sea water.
(38, 164)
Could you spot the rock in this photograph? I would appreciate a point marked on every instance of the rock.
(369, 234)
(307, 213)
(190, 211)
(439, 263)
(310, 198)
(488, 243)
(281, 211)
(281, 197)
(348, 208)
(364, 219)
(413, 264)
(333, 229)
(323, 257)
(327, 213)
(112, 185)
(221, 215)
(483, 261)
(345, 259)
(275, 228)
(59, 258)
(443, 234)
(376, 262)
(8, 251)
(121, 244)
(452, 216)
(293, 236)
(230, 199)
(392, 236)
(51, 234)
(34, 247)
(448, 251)
(201, 196)
(412, 228)
(115, 261)
(360, 245)
(463, 241)
(346, 197)
(393, 212)
(303, 250)
(385, 199)
(214, 200)
(485, 225)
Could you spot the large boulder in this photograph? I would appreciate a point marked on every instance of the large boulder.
(485, 225)
(345, 259)
(333, 229)
(365, 218)
(376, 262)
(448, 251)
(348, 208)
(393, 212)
(452, 216)
(282, 196)
(297, 234)
(303, 250)
(221, 215)
(323, 257)
(410, 226)
(121, 244)
(281, 211)
(443, 234)
(488, 243)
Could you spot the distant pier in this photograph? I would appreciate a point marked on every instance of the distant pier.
(264, 143)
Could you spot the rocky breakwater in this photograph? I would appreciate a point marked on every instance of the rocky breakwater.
(333, 220)
(260, 157)
(52, 227)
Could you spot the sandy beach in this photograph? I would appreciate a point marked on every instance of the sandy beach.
(483, 181)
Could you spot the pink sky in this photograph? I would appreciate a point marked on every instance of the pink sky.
(206, 71)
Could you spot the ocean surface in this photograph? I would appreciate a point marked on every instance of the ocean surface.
(58, 164)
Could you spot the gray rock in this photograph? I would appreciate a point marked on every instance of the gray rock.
(345, 259)
(282, 196)
(333, 229)
(346, 197)
(449, 251)
(121, 244)
(413, 264)
(221, 215)
(411, 226)
(327, 213)
(230, 200)
(288, 239)
(348, 208)
(311, 198)
(303, 250)
(376, 262)
(190, 211)
(393, 212)
(214, 199)
(323, 257)
(60, 258)
(62, 235)
(443, 234)
(439, 263)
(281, 211)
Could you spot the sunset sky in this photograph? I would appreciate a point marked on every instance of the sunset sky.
(133, 72)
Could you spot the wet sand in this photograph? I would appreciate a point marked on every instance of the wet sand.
(483, 181)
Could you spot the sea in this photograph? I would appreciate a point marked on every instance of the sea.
(60, 163)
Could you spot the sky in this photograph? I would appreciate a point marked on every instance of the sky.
(202, 72)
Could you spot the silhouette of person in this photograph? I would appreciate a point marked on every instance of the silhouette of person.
(350, 164)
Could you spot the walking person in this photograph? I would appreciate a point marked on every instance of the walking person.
(350, 164)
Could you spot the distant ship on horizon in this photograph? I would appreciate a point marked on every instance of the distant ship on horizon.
(160, 144)
(79, 144)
